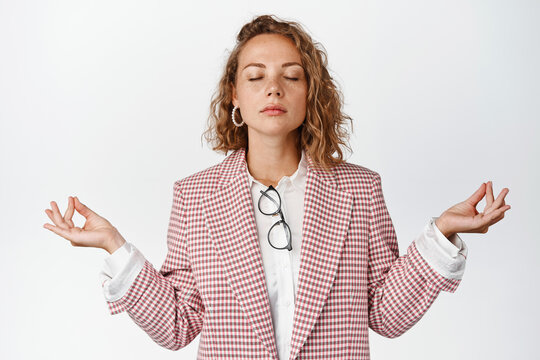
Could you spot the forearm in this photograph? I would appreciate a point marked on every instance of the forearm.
(168, 309)
(402, 297)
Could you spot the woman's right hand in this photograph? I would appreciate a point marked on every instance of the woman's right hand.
(97, 231)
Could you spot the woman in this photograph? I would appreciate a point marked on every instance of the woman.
(281, 250)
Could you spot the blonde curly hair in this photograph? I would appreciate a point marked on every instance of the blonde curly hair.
(323, 131)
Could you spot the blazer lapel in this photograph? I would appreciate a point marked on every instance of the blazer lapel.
(327, 213)
(231, 221)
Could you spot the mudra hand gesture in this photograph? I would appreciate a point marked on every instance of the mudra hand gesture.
(97, 231)
(464, 217)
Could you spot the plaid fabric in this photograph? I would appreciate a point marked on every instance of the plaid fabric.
(212, 281)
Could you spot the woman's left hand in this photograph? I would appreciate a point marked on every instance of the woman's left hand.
(464, 217)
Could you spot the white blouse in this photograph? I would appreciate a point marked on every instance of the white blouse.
(281, 267)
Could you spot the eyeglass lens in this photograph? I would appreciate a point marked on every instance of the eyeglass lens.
(279, 234)
(269, 202)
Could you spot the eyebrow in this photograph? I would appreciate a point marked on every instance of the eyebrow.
(263, 66)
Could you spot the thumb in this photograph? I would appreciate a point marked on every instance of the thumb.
(477, 195)
(82, 209)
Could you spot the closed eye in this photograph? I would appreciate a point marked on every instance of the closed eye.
(288, 78)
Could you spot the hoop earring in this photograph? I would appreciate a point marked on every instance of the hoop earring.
(234, 121)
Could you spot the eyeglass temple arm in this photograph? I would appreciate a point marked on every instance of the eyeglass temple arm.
(268, 196)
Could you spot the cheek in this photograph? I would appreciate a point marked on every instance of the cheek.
(245, 95)
(301, 98)
(302, 92)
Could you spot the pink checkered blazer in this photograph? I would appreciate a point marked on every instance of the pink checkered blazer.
(212, 281)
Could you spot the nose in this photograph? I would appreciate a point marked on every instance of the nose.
(274, 88)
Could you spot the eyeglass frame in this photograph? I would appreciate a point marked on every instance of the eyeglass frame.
(281, 221)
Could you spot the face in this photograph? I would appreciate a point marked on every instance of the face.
(270, 72)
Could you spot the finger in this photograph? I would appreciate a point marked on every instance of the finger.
(477, 195)
(500, 199)
(489, 193)
(493, 216)
(69, 212)
(57, 217)
(497, 218)
(83, 209)
(49, 214)
(58, 230)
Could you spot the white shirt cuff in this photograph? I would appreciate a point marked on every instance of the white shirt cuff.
(118, 259)
(120, 270)
(447, 256)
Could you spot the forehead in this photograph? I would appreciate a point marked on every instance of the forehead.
(269, 48)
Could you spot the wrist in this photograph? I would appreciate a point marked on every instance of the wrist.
(442, 228)
(115, 243)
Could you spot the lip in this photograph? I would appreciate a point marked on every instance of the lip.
(273, 112)
(274, 109)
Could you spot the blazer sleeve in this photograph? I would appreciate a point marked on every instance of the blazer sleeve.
(166, 304)
(400, 288)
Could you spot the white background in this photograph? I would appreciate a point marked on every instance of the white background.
(107, 100)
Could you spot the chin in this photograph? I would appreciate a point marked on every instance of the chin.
(277, 130)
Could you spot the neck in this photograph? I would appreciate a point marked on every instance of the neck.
(268, 164)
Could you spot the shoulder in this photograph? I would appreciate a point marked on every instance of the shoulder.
(202, 183)
(199, 183)
(355, 178)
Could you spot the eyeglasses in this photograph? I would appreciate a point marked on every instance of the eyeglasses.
(279, 237)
